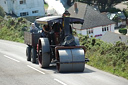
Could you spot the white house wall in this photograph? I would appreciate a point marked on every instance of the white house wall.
(83, 32)
(112, 27)
(4, 5)
(97, 31)
(15, 7)
(79, 32)
(30, 5)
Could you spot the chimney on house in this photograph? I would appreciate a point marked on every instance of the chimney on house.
(75, 8)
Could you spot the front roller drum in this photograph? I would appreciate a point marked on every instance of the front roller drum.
(71, 60)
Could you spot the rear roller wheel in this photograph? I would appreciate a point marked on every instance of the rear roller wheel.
(44, 60)
(33, 55)
(43, 53)
(28, 53)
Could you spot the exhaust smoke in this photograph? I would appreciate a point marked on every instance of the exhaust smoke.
(55, 7)
(58, 7)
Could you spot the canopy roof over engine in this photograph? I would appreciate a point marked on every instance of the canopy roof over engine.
(55, 19)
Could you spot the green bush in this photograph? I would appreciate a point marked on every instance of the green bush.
(123, 31)
(107, 57)
(113, 10)
(20, 19)
(13, 29)
(1, 18)
(2, 13)
(45, 6)
(11, 22)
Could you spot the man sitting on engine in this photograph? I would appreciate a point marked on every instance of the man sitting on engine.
(33, 28)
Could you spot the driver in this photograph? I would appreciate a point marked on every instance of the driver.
(45, 31)
(46, 28)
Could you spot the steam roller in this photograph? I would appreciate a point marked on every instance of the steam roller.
(60, 46)
(67, 58)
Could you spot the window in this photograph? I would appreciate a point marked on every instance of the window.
(102, 29)
(90, 31)
(36, 11)
(5, 2)
(24, 14)
(105, 29)
(22, 1)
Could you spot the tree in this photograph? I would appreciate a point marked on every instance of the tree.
(125, 13)
(123, 31)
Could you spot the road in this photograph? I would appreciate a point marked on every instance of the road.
(15, 70)
(122, 5)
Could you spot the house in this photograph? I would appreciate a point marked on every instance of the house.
(95, 24)
(118, 17)
(111, 37)
(23, 7)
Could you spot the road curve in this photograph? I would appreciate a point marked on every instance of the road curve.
(15, 70)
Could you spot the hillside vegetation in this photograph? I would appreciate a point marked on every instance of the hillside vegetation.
(13, 28)
(107, 57)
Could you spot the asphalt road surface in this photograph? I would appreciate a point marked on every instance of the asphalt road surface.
(16, 70)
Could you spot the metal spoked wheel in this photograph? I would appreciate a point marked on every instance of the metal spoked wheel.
(28, 53)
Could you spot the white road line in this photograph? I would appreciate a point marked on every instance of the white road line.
(60, 82)
(35, 69)
(11, 58)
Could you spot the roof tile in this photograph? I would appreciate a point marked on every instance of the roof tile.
(92, 18)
